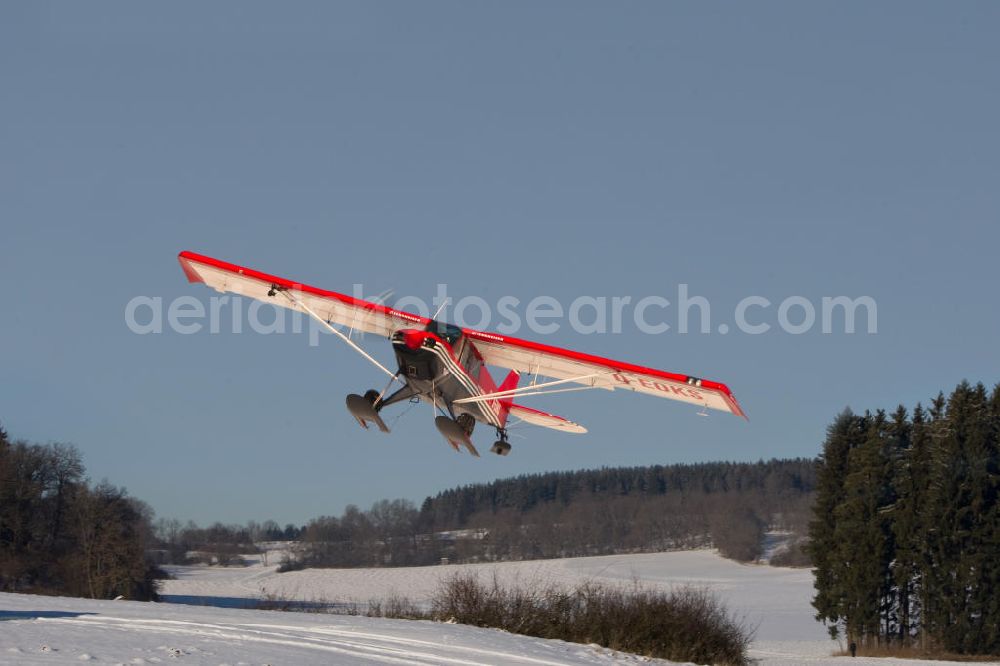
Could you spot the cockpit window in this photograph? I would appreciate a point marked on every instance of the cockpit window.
(447, 332)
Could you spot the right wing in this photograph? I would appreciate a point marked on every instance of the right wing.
(335, 308)
(567, 366)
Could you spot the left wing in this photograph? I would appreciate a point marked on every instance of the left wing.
(331, 306)
(572, 367)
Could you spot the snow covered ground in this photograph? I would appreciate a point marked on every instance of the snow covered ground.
(55, 630)
(775, 600)
(45, 630)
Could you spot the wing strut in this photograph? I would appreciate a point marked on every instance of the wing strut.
(299, 304)
(536, 389)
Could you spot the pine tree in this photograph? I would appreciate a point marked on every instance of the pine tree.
(935, 582)
(864, 537)
(831, 470)
(6, 486)
(913, 531)
(991, 529)
(907, 481)
(953, 551)
(906, 529)
(977, 523)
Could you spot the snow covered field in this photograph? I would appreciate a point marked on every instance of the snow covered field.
(54, 630)
(775, 600)
(45, 630)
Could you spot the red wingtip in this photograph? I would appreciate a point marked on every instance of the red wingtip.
(189, 271)
(727, 395)
(735, 406)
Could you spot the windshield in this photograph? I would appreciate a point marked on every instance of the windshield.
(447, 332)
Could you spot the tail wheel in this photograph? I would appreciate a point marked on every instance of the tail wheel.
(501, 448)
(466, 423)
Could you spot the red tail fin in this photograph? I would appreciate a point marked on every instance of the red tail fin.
(505, 403)
(486, 383)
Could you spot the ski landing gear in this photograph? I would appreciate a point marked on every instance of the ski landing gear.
(457, 430)
(365, 408)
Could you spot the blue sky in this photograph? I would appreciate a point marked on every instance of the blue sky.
(524, 149)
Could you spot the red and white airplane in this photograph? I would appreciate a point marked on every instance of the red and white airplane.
(446, 366)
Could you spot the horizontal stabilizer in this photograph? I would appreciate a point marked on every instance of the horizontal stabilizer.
(545, 420)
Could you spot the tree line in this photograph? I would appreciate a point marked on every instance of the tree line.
(187, 543)
(906, 534)
(568, 514)
(59, 534)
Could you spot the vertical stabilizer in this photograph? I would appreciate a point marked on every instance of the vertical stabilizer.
(508, 384)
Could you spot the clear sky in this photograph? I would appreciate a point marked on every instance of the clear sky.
(523, 149)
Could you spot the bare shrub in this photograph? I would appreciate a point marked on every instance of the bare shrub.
(396, 607)
(795, 555)
(686, 624)
(738, 534)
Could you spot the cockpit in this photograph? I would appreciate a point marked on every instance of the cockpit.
(447, 332)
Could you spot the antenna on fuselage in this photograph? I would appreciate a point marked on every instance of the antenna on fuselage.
(443, 303)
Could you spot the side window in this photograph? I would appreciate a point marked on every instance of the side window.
(447, 332)
(469, 360)
(460, 349)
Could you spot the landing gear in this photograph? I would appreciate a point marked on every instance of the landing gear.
(501, 447)
(372, 396)
(466, 423)
(365, 408)
(455, 433)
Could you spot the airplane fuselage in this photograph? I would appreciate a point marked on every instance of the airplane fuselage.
(440, 372)
(439, 366)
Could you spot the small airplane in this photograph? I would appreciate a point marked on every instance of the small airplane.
(446, 366)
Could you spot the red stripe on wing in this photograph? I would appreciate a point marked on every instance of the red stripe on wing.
(185, 258)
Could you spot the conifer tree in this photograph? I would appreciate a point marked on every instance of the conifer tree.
(863, 536)
(935, 581)
(976, 524)
(991, 528)
(831, 471)
(907, 481)
(952, 519)
(914, 509)
(6, 474)
(914, 527)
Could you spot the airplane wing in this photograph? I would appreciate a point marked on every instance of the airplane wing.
(544, 419)
(333, 307)
(571, 367)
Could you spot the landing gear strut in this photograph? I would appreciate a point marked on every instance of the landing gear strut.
(501, 447)
(466, 423)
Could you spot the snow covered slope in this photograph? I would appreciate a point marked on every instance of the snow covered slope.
(775, 600)
(55, 630)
